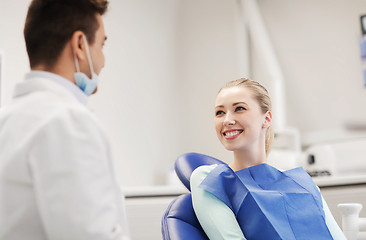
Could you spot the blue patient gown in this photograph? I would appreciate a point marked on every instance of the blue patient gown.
(270, 204)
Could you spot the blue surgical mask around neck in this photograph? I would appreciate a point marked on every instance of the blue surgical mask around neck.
(86, 84)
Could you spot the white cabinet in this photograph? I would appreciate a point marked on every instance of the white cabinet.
(144, 216)
(145, 207)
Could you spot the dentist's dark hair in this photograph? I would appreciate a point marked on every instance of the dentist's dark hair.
(51, 23)
(261, 94)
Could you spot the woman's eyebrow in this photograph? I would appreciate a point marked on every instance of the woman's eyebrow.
(234, 104)
(237, 103)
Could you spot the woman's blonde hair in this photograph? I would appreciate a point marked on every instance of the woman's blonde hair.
(261, 95)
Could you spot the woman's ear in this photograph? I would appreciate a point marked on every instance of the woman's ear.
(77, 45)
(267, 119)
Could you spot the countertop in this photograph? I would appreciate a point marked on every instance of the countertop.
(154, 191)
(176, 190)
(336, 181)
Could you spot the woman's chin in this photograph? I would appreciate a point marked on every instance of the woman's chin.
(230, 148)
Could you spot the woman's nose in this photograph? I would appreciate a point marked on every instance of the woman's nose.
(229, 120)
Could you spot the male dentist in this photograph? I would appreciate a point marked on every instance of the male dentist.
(56, 175)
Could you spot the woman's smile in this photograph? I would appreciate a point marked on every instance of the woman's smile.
(232, 134)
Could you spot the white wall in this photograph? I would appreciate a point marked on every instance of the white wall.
(12, 17)
(166, 59)
(208, 58)
(138, 99)
(317, 43)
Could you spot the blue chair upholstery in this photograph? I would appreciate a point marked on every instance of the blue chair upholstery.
(179, 221)
(188, 162)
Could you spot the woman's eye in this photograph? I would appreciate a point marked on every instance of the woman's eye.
(239, 109)
(218, 113)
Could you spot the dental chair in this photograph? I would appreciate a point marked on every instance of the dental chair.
(352, 224)
(179, 221)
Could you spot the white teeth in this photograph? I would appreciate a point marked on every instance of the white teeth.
(233, 133)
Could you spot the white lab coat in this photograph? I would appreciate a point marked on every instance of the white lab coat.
(56, 175)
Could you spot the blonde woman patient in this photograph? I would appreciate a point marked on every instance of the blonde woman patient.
(248, 199)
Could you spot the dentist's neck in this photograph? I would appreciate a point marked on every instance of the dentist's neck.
(64, 66)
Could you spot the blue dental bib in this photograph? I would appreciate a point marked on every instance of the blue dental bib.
(270, 204)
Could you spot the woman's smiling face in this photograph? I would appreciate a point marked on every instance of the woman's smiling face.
(239, 121)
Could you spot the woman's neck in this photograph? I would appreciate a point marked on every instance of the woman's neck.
(248, 158)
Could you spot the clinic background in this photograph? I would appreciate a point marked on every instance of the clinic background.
(166, 60)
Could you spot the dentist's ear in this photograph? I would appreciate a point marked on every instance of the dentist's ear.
(78, 45)
(267, 120)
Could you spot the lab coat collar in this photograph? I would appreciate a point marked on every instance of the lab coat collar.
(40, 81)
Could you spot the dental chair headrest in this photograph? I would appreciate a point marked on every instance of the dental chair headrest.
(188, 162)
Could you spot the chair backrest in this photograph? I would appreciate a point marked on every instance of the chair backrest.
(179, 221)
(188, 162)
